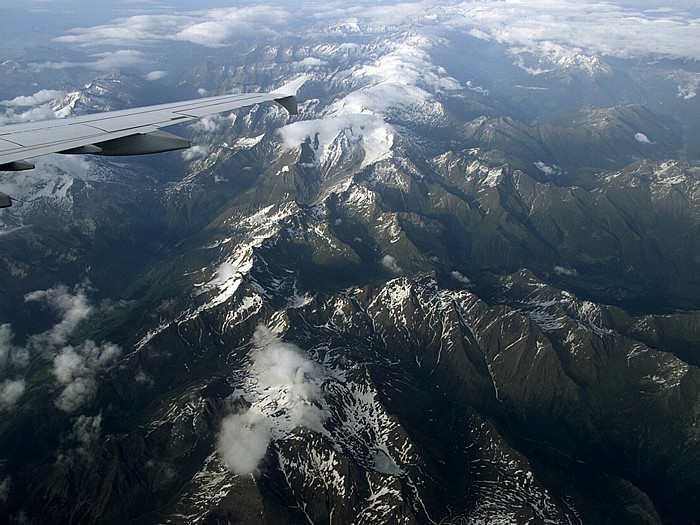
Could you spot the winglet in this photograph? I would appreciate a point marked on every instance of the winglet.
(287, 94)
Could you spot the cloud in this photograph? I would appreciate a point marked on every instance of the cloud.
(114, 61)
(208, 27)
(286, 375)
(10, 392)
(563, 270)
(284, 387)
(389, 262)
(309, 62)
(40, 97)
(42, 112)
(155, 75)
(195, 152)
(40, 107)
(376, 14)
(76, 368)
(591, 27)
(243, 441)
(366, 130)
(71, 307)
(76, 394)
(86, 431)
(108, 61)
(208, 124)
(405, 76)
(642, 138)
(618, 28)
(6, 337)
(11, 356)
(51, 166)
(548, 170)
(457, 276)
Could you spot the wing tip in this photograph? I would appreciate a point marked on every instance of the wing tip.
(287, 94)
(290, 89)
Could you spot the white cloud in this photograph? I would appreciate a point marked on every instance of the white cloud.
(369, 131)
(155, 75)
(209, 27)
(284, 387)
(563, 270)
(457, 276)
(592, 27)
(55, 65)
(687, 92)
(405, 76)
(76, 394)
(642, 138)
(309, 62)
(243, 441)
(208, 124)
(42, 112)
(282, 371)
(75, 368)
(51, 166)
(614, 28)
(108, 61)
(86, 431)
(6, 346)
(548, 170)
(11, 356)
(114, 61)
(471, 86)
(71, 307)
(195, 152)
(10, 392)
(381, 14)
(389, 262)
(40, 97)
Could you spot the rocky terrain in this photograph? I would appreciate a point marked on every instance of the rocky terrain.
(423, 300)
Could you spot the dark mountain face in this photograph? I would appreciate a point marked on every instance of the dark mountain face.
(417, 302)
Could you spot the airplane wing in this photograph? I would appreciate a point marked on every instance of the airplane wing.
(124, 132)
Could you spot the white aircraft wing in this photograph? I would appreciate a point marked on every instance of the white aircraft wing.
(124, 132)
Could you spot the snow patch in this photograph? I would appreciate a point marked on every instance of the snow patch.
(247, 143)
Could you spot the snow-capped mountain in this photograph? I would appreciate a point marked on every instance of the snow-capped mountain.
(428, 298)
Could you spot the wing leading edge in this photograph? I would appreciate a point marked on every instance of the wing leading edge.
(124, 132)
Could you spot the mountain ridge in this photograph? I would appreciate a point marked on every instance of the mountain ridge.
(481, 319)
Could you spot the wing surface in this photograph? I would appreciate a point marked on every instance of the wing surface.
(107, 133)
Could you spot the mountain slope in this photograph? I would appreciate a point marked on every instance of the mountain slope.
(406, 305)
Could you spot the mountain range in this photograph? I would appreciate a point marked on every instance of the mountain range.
(457, 288)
